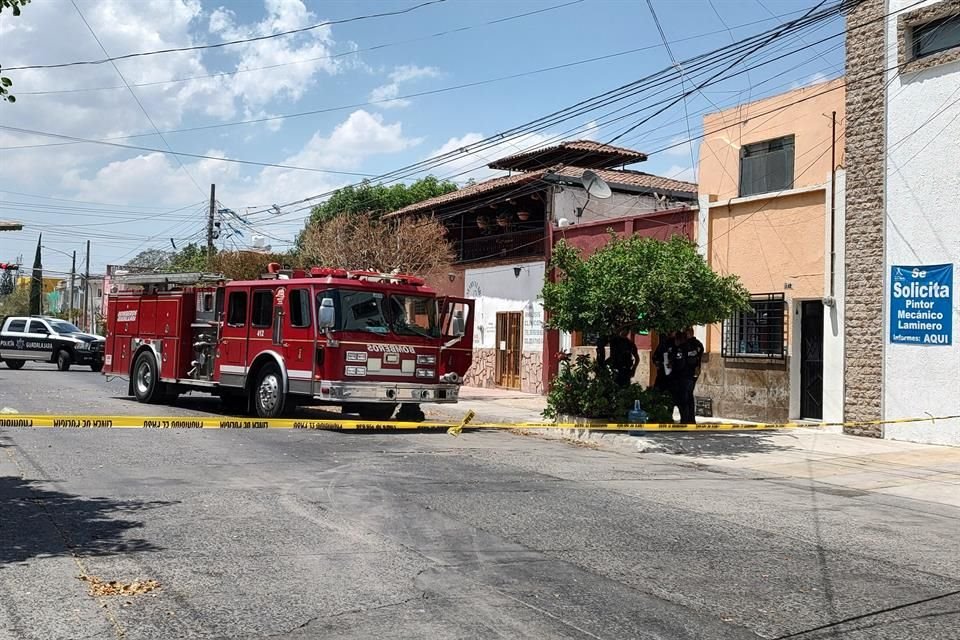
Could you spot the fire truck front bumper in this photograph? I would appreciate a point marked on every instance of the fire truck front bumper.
(386, 392)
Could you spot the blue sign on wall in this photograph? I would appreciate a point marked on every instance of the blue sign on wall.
(921, 304)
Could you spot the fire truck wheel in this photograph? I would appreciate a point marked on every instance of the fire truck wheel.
(268, 397)
(146, 379)
(375, 410)
(63, 361)
(14, 364)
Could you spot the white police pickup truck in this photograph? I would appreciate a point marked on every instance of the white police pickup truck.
(45, 339)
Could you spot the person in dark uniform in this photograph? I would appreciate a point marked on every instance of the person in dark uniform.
(623, 359)
(662, 382)
(685, 358)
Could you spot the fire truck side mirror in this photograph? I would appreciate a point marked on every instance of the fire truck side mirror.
(458, 327)
(328, 316)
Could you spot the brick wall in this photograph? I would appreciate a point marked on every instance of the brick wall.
(743, 390)
(864, 235)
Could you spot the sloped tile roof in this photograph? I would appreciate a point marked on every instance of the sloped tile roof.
(580, 153)
(468, 192)
(631, 178)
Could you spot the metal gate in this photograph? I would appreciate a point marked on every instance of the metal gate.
(811, 360)
(509, 344)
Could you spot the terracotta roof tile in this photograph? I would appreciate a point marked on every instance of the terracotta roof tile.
(632, 178)
(470, 191)
(582, 153)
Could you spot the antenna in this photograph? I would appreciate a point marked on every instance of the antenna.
(595, 187)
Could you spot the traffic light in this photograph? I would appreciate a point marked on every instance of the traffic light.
(8, 266)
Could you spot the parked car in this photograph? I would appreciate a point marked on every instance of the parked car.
(46, 339)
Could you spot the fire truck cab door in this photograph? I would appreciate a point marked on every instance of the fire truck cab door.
(232, 350)
(298, 338)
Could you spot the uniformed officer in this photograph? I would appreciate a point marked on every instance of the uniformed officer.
(685, 357)
(661, 362)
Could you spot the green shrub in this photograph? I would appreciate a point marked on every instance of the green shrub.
(581, 388)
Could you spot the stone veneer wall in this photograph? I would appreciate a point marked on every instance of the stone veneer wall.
(483, 371)
(864, 233)
(756, 391)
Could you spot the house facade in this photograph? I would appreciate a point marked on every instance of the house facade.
(902, 228)
(503, 230)
(770, 211)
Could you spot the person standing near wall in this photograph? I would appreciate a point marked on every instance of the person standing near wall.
(623, 359)
(661, 362)
(685, 357)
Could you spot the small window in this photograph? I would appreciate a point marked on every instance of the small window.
(934, 37)
(757, 332)
(300, 308)
(261, 314)
(18, 326)
(208, 302)
(237, 310)
(766, 166)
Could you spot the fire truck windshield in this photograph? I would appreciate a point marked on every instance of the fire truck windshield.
(414, 315)
(379, 313)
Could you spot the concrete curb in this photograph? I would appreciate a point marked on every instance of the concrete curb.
(608, 440)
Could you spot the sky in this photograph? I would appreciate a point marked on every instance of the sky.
(356, 74)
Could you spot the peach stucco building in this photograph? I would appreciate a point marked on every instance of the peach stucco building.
(766, 188)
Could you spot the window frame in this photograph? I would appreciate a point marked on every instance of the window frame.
(304, 306)
(230, 307)
(915, 37)
(745, 154)
(25, 321)
(40, 323)
(733, 330)
(268, 309)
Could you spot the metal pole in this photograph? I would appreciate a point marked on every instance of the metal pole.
(88, 321)
(213, 207)
(73, 274)
(833, 199)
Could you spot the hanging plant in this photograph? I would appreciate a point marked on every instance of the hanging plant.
(482, 223)
(523, 216)
(503, 219)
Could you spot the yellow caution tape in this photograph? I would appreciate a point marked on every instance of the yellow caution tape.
(454, 429)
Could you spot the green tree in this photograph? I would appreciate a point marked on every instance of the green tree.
(378, 199)
(6, 83)
(192, 258)
(151, 260)
(638, 284)
(16, 303)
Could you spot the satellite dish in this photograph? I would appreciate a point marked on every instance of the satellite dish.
(595, 186)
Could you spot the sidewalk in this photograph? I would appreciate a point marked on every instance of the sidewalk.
(851, 463)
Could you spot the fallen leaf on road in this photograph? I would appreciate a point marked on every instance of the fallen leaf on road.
(116, 588)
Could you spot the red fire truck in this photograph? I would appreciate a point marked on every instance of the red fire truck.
(367, 342)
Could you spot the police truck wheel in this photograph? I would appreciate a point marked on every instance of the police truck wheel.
(14, 364)
(268, 398)
(375, 410)
(63, 361)
(96, 368)
(146, 379)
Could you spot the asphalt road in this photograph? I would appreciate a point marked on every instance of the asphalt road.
(303, 534)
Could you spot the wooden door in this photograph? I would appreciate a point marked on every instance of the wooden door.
(509, 344)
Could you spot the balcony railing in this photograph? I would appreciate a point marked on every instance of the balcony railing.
(503, 245)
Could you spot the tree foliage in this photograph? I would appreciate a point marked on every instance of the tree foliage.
(6, 83)
(236, 265)
(638, 284)
(16, 303)
(378, 199)
(410, 245)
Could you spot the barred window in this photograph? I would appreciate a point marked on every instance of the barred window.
(759, 331)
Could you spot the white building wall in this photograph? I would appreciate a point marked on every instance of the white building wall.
(922, 228)
(833, 346)
(567, 201)
(497, 289)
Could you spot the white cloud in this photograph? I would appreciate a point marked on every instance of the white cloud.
(816, 78)
(679, 172)
(400, 75)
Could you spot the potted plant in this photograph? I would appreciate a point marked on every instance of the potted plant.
(523, 216)
(503, 219)
(482, 223)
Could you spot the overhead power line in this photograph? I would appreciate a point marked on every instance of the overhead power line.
(351, 52)
(227, 43)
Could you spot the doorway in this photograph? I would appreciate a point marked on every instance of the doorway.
(811, 360)
(509, 344)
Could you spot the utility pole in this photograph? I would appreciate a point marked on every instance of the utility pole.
(73, 274)
(86, 294)
(213, 209)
